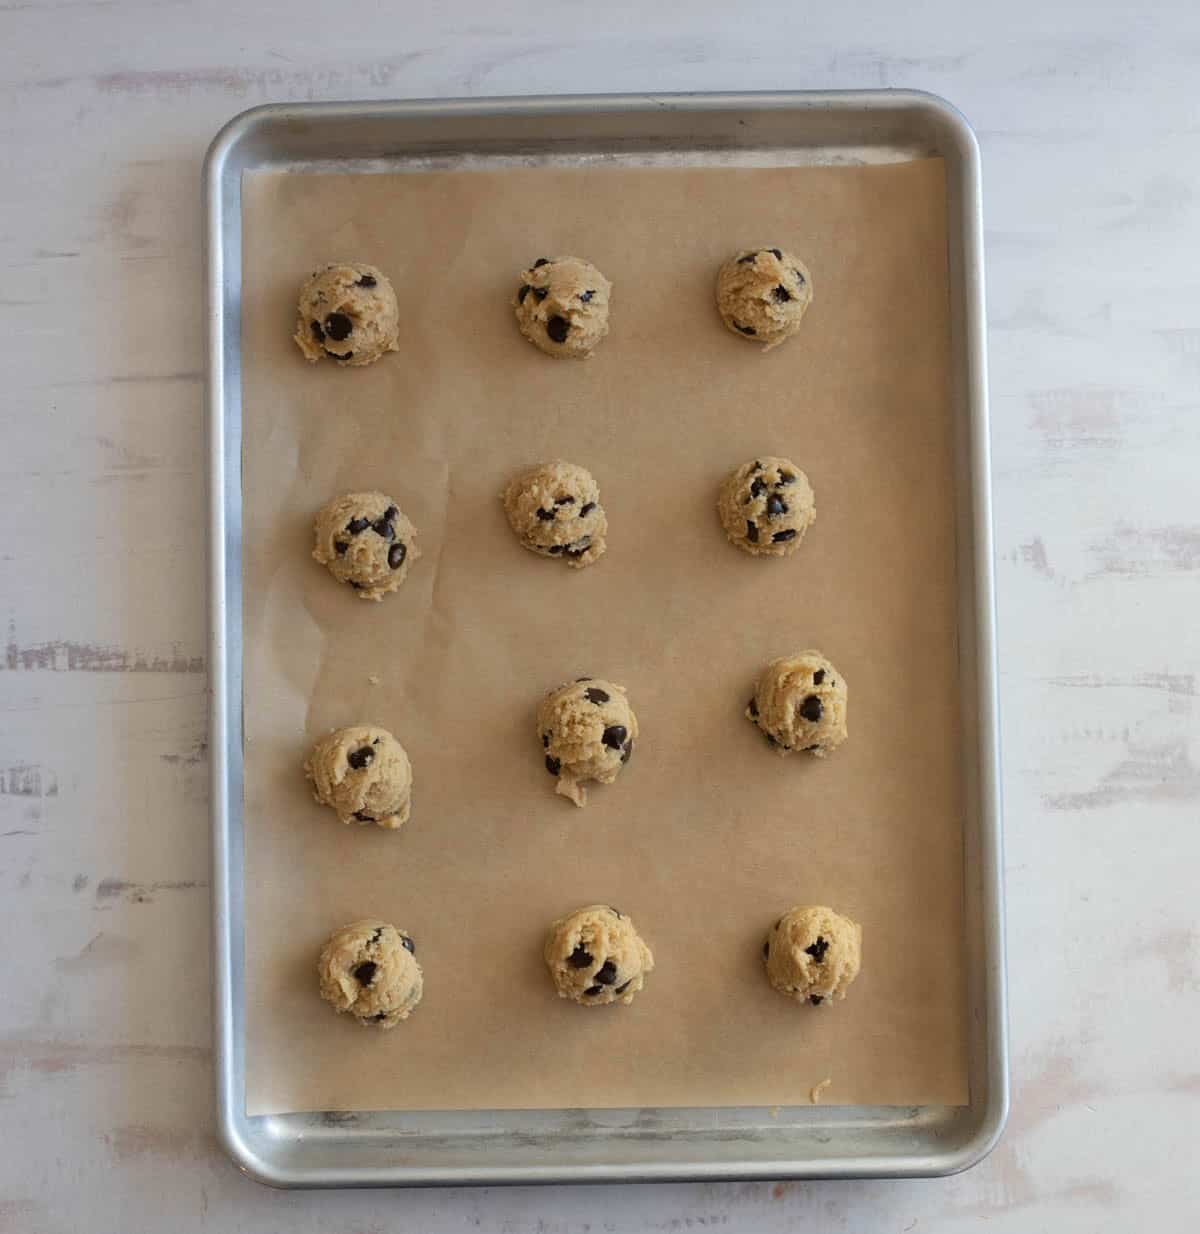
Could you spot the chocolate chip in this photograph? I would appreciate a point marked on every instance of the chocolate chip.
(338, 326)
(622, 988)
(742, 261)
(378, 741)
(594, 989)
(781, 294)
(818, 676)
(786, 477)
(540, 293)
(541, 261)
(522, 293)
(581, 957)
(340, 547)
(752, 707)
(364, 972)
(626, 755)
(358, 525)
(545, 515)
(758, 487)
(579, 547)
(364, 817)
(390, 514)
(766, 948)
(382, 1015)
(780, 536)
(614, 736)
(586, 508)
(585, 296)
(558, 328)
(776, 506)
(745, 329)
(545, 741)
(408, 944)
(757, 466)
(396, 554)
(318, 333)
(555, 549)
(564, 501)
(751, 532)
(606, 974)
(815, 999)
(799, 277)
(360, 758)
(817, 950)
(357, 586)
(384, 528)
(812, 709)
(553, 765)
(810, 749)
(367, 280)
(778, 254)
(594, 694)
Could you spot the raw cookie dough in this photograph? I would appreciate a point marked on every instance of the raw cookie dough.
(555, 510)
(562, 306)
(347, 312)
(766, 506)
(587, 729)
(363, 773)
(367, 542)
(368, 969)
(812, 954)
(762, 294)
(799, 703)
(596, 956)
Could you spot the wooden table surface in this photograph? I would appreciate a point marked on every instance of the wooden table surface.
(1089, 119)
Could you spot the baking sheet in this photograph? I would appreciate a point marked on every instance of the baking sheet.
(707, 836)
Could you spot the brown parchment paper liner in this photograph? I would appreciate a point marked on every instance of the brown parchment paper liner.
(707, 835)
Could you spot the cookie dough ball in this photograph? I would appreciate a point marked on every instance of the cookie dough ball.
(587, 729)
(367, 542)
(799, 703)
(766, 506)
(596, 956)
(562, 306)
(812, 954)
(348, 313)
(363, 773)
(762, 294)
(368, 969)
(555, 510)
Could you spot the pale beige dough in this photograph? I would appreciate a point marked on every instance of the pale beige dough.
(766, 505)
(562, 306)
(812, 954)
(348, 312)
(587, 729)
(554, 509)
(595, 956)
(799, 703)
(368, 969)
(365, 540)
(762, 294)
(363, 774)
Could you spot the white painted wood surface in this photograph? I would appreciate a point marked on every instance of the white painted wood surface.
(1089, 117)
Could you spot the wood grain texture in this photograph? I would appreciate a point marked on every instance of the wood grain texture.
(1090, 129)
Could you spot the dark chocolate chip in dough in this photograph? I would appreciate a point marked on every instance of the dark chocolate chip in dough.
(367, 280)
(812, 709)
(364, 817)
(382, 1015)
(553, 765)
(558, 328)
(356, 585)
(751, 532)
(818, 676)
(360, 758)
(758, 487)
(778, 254)
(581, 957)
(786, 477)
(522, 293)
(810, 749)
(384, 528)
(555, 549)
(408, 944)
(815, 999)
(781, 294)
(757, 466)
(586, 508)
(541, 261)
(585, 296)
(622, 988)
(318, 333)
(540, 293)
(614, 736)
(340, 547)
(780, 536)
(564, 501)
(396, 554)
(594, 989)
(338, 326)
(776, 506)
(745, 329)
(579, 547)
(544, 514)
(799, 277)
(817, 950)
(356, 526)
(365, 972)
(594, 694)
(545, 741)
(606, 974)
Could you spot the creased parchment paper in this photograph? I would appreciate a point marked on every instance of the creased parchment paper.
(708, 835)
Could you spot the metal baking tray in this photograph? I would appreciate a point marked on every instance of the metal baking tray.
(394, 1148)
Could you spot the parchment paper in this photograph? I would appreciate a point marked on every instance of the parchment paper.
(708, 835)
